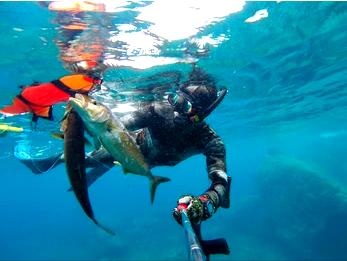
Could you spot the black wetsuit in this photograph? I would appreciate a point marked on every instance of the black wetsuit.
(166, 140)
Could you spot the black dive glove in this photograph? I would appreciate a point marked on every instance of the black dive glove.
(197, 208)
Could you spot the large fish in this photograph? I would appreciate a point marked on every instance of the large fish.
(112, 134)
(74, 153)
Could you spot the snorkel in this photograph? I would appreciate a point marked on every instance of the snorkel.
(184, 104)
(200, 116)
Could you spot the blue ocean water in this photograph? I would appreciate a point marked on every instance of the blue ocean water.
(283, 122)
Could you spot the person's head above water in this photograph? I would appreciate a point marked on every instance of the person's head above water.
(197, 97)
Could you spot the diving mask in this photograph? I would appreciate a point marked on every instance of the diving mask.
(180, 103)
(187, 102)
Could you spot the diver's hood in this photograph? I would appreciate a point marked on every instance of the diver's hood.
(204, 112)
(220, 96)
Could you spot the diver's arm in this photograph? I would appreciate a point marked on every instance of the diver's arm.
(138, 119)
(213, 148)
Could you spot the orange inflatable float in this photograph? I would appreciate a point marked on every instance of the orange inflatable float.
(39, 98)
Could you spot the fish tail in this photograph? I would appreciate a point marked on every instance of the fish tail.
(106, 229)
(155, 181)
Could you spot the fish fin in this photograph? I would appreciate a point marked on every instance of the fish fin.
(106, 229)
(58, 135)
(155, 181)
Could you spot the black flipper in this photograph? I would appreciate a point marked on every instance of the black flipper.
(94, 174)
(215, 246)
(40, 166)
(212, 247)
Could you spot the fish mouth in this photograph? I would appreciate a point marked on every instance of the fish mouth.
(78, 101)
(87, 109)
(80, 104)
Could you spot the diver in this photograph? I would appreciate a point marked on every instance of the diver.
(173, 130)
(169, 132)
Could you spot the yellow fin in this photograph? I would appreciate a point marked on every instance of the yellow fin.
(5, 127)
(57, 135)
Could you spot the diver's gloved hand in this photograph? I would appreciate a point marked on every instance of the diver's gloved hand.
(198, 208)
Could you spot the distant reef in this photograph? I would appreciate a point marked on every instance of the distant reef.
(300, 209)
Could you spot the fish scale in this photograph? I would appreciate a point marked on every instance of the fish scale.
(110, 131)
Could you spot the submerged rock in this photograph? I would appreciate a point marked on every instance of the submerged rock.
(302, 210)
